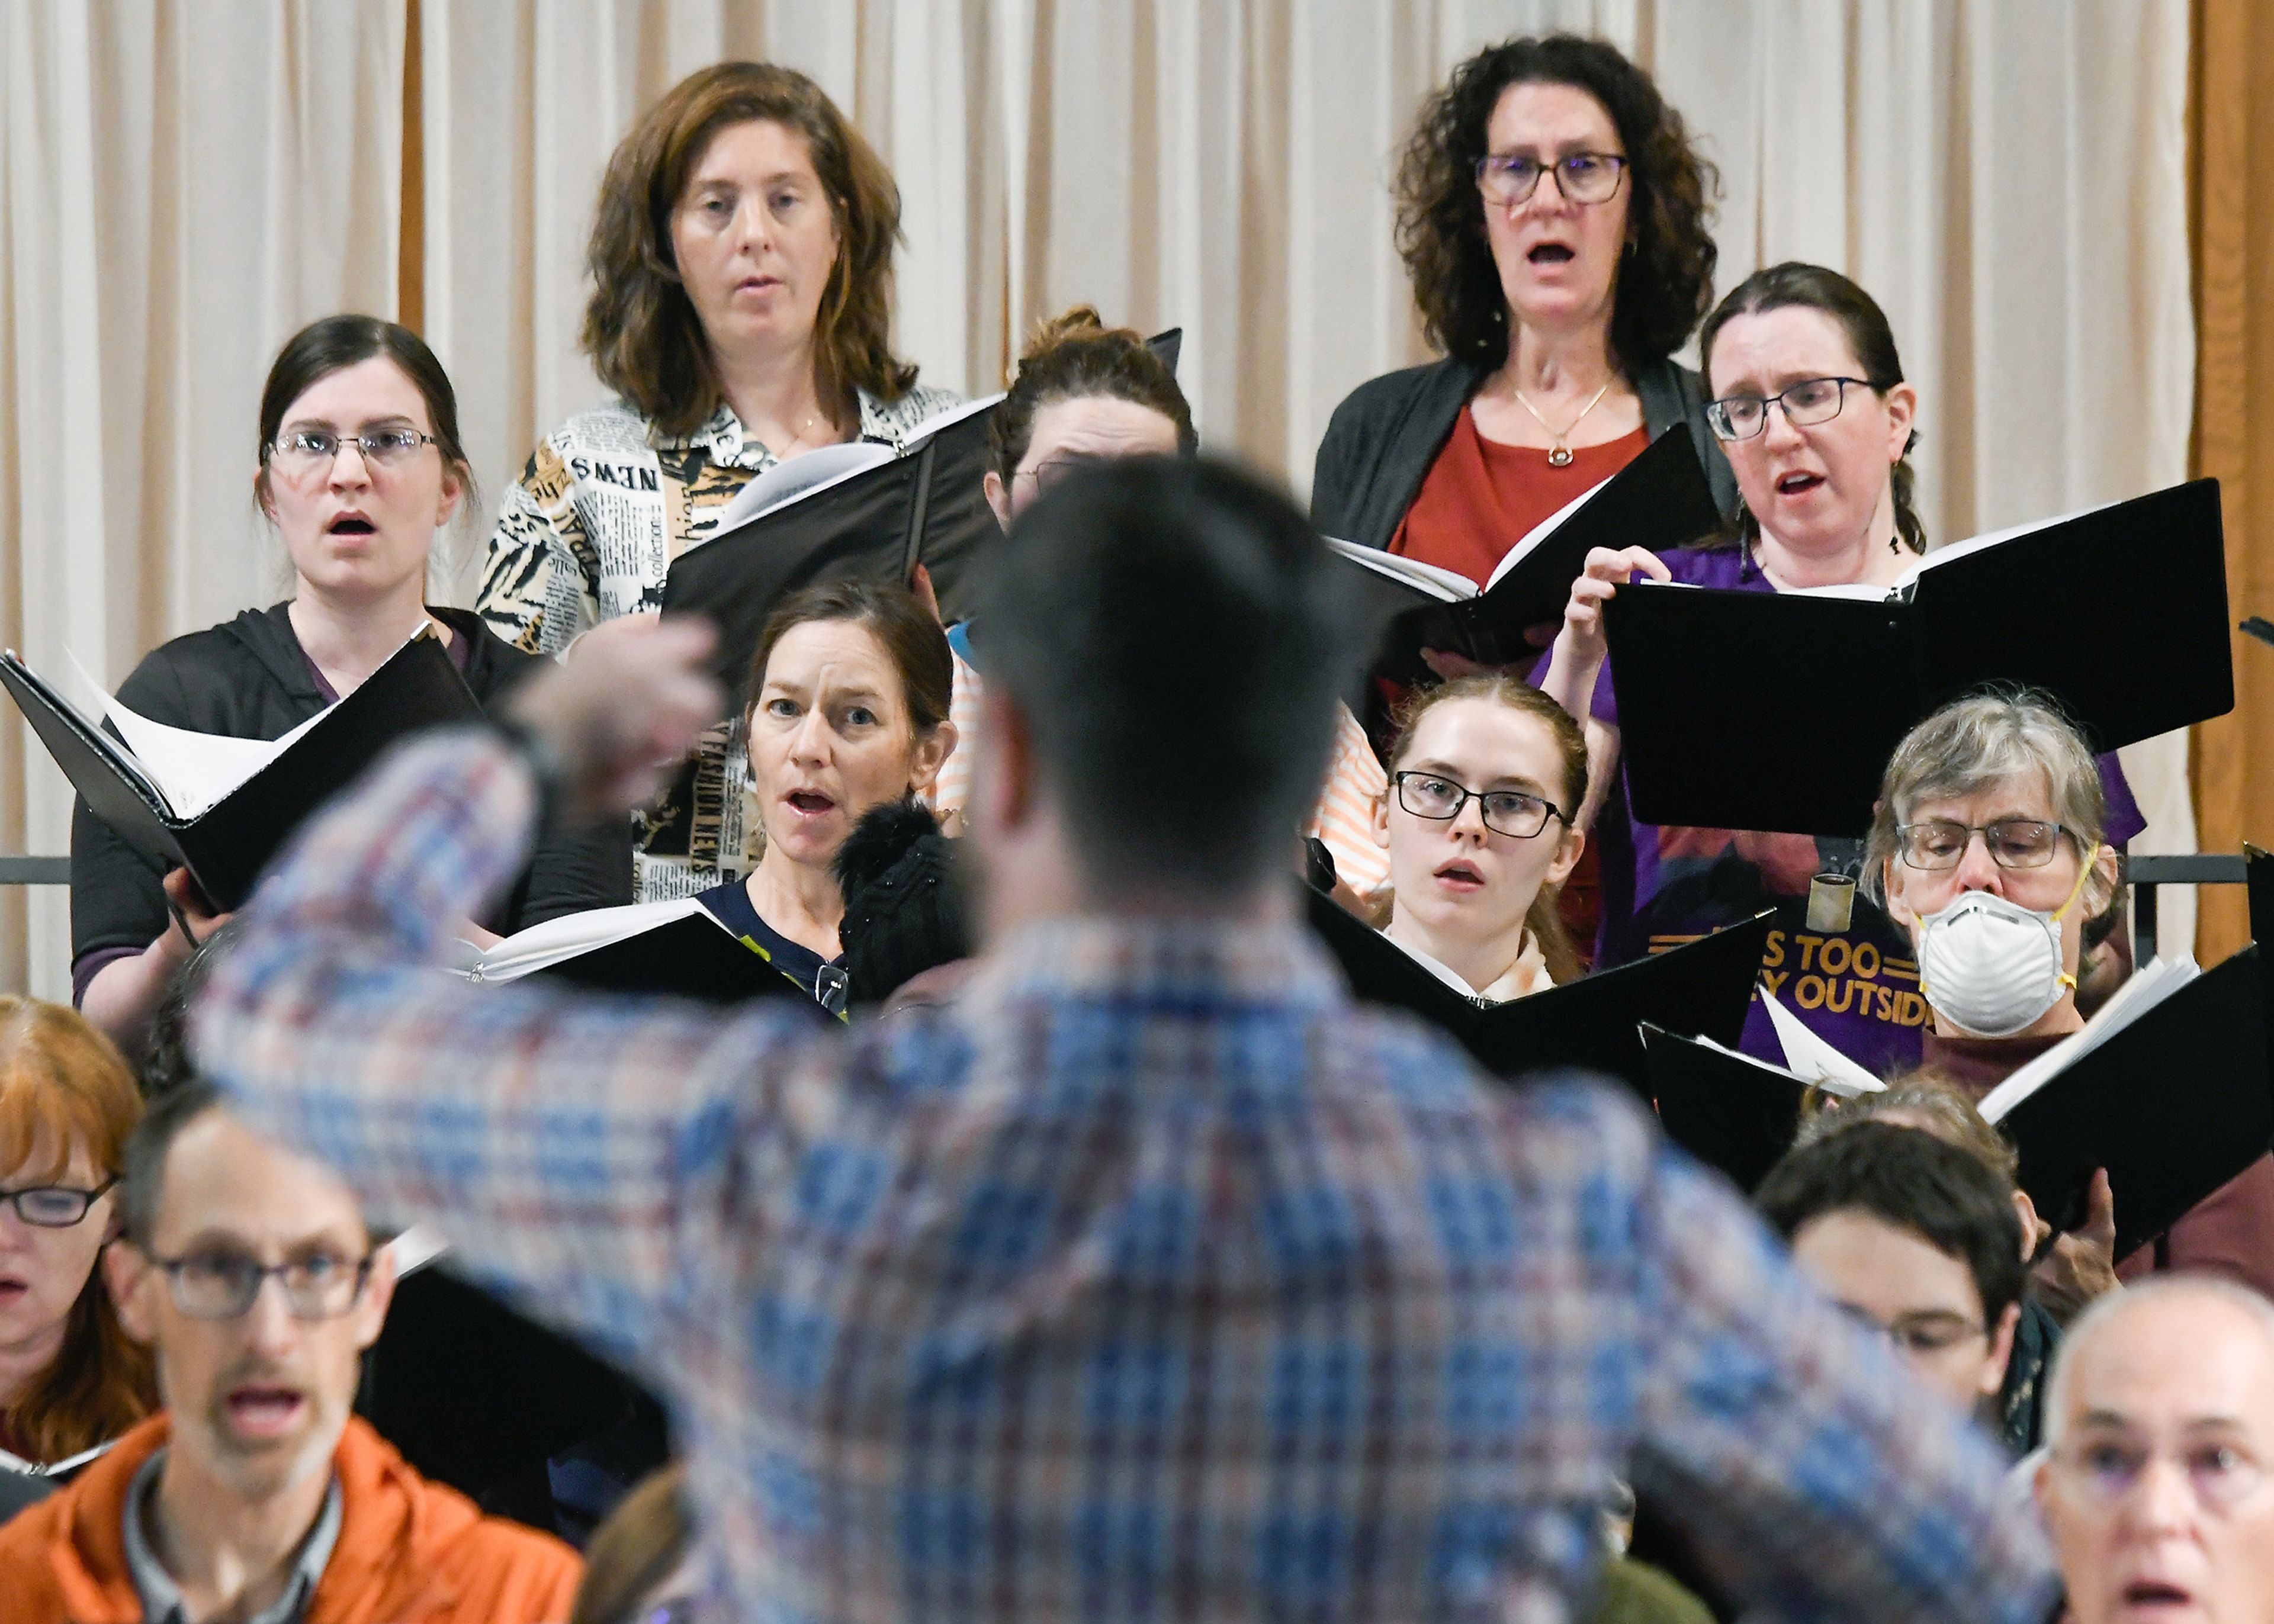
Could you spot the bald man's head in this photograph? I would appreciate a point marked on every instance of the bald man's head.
(2159, 1485)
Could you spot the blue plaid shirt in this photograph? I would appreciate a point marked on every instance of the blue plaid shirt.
(1150, 1280)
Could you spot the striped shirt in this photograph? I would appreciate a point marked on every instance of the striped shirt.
(588, 533)
(1148, 1280)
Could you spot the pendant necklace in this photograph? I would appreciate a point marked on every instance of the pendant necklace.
(1559, 455)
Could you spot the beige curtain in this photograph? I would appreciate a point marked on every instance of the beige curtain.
(182, 184)
(185, 184)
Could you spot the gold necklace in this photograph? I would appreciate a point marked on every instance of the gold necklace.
(1559, 455)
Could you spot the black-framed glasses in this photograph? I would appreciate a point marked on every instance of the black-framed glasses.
(306, 451)
(224, 1285)
(2013, 842)
(1508, 179)
(1513, 812)
(1811, 400)
(55, 1206)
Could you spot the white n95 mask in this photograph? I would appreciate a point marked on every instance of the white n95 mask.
(1992, 968)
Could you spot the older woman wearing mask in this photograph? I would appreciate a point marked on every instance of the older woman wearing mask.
(1991, 849)
(1552, 214)
(742, 311)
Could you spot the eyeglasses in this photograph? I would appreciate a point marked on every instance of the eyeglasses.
(1582, 178)
(55, 1206)
(2013, 842)
(223, 1285)
(1811, 400)
(2219, 1474)
(1046, 474)
(1510, 812)
(1925, 1334)
(310, 451)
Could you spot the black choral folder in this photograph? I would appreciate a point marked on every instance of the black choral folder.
(1592, 1023)
(226, 847)
(927, 506)
(1660, 500)
(1730, 1111)
(2173, 1106)
(1778, 710)
(643, 949)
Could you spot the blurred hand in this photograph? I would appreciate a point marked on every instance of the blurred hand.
(624, 711)
(1450, 666)
(2082, 1265)
(1607, 571)
(192, 914)
(919, 583)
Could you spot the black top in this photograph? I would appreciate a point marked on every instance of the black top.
(1385, 436)
(249, 678)
(823, 978)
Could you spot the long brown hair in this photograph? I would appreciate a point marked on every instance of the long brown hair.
(1664, 283)
(62, 1084)
(1074, 356)
(1542, 919)
(640, 328)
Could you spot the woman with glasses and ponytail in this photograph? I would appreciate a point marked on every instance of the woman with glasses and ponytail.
(71, 1380)
(1810, 406)
(358, 467)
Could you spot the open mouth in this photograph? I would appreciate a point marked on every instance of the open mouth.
(2155, 1596)
(261, 1411)
(1460, 876)
(1550, 253)
(1799, 483)
(13, 1291)
(352, 524)
(811, 802)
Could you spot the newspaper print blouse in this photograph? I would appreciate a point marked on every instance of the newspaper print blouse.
(587, 533)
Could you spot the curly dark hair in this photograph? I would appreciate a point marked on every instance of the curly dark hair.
(1664, 285)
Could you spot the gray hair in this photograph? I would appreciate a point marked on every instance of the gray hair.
(1990, 737)
(2103, 1310)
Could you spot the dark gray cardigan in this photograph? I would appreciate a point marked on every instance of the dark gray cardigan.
(1385, 436)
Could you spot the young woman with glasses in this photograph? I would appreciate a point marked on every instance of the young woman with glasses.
(1811, 405)
(69, 1378)
(1478, 823)
(359, 466)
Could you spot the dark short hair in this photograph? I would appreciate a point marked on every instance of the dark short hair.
(336, 343)
(641, 330)
(1176, 634)
(1796, 285)
(1075, 356)
(910, 634)
(142, 1182)
(1662, 287)
(1909, 1179)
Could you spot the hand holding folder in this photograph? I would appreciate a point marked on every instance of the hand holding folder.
(221, 807)
(1778, 710)
(1658, 500)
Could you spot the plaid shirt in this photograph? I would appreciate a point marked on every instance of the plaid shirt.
(1150, 1280)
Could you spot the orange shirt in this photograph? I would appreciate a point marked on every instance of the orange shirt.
(1481, 497)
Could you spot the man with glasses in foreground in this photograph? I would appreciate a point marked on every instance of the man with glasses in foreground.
(255, 1496)
(2158, 1482)
(1915, 1237)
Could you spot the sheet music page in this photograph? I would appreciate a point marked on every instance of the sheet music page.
(192, 770)
(1445, 585)
(540, 947)
(800, 476)
(1811, 1059)
(1846, 1088)
(2148, 987)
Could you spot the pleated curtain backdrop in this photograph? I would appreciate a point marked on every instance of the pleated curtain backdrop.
(2007, 176)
